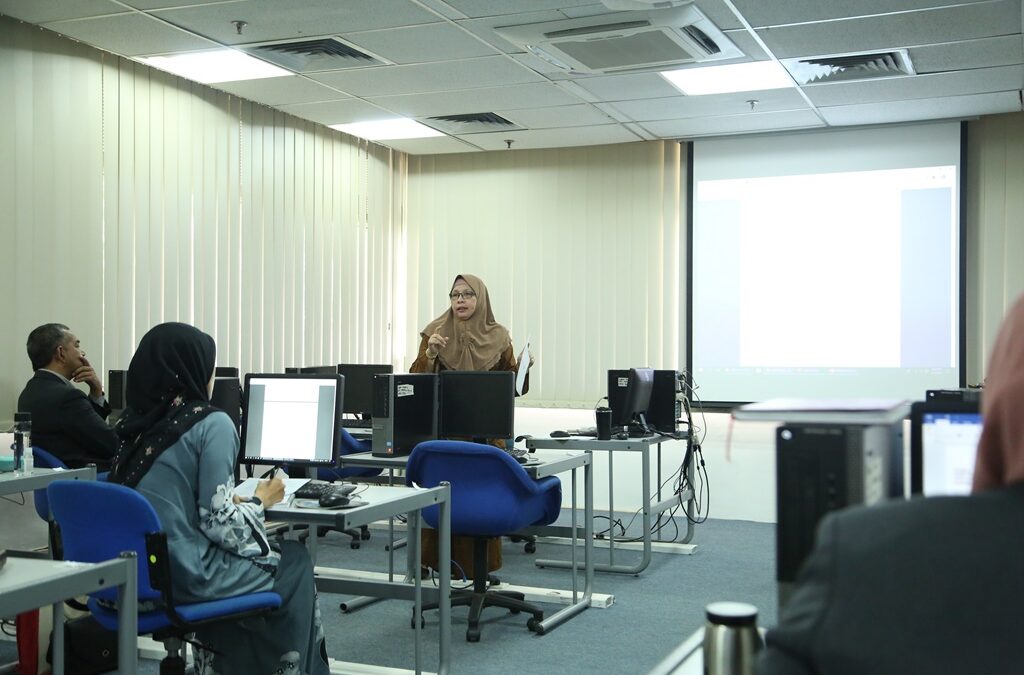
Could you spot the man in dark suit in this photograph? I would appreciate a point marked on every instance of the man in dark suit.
(933, 585)
(65, 422)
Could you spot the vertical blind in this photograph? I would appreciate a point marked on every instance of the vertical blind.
(581, 249)
(133, 197)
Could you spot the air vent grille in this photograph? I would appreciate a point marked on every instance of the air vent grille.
(850, 67)
(701, 39)
(318, 54)
(471, 123)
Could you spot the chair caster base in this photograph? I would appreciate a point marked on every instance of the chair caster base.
(473, 635)
(536, 626)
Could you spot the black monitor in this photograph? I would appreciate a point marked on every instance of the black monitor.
(476, 405)
(227, 396)
(944, 437)
(226, 371)
(116, 381)
(359, 386)
(292, 419)
(319, 370)
(631, 408)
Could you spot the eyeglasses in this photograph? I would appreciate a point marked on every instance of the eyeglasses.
(464, 295)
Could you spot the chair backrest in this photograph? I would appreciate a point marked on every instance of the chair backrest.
(491, 493)
(349, 446)
(99, 520)
(44, 460)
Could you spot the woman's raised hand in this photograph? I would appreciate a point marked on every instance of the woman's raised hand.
(435, 343)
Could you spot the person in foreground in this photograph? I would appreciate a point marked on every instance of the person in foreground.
(933, 585)
(179, 452)
(65, 422)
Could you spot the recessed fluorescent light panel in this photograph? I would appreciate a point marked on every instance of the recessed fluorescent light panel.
(728, 79)
(223, 65)
(387, 130)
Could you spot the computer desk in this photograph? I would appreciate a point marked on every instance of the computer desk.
(28, 583)
(386, 502)
(552, 462)
(37, 479)
(653, 504)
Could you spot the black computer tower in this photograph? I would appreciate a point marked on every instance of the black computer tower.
(116, 381)
(227, 396)
(404, 412)
(822, 468)
(666, 399)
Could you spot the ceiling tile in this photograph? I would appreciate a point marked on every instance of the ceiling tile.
(628, 87)
(514, 97)
(281, 90)
(549, 138)
(681, 107)
(719, 13)
(438, 145)
(131, 35)
(997, 51)
(956, 83)
(760, 13)
(746, 43)
(337, 112)
(163, 4)
(421, 44)
(483, 8)
(556, 116)
(275, 20)
(41, 11)
(428, 77)
(948, 24)
(923, 109)
(735, 124)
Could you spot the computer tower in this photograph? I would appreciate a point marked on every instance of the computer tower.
(822, 468)
(116, 380)
(404, 412)
(227, 396)
(666, 399)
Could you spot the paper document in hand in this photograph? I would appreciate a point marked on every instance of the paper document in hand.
(523, 368)
(247, 488)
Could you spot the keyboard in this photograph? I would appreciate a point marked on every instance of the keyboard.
(516, 452)
(315, 489)
(357, 424)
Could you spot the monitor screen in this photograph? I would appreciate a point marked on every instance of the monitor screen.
(359, 385)
(477, 404)
(291, 419)
(944, 443)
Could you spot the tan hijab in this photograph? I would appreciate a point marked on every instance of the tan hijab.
(476, 343)
(1001, 447)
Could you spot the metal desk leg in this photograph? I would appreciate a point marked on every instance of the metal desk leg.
(659, 490)
(611, 509)
(566, 613)
(58, 638)
(127, 617)
(417, 611)
(444, 559)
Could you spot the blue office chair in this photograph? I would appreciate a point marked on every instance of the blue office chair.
(492, 495)
(98, 521)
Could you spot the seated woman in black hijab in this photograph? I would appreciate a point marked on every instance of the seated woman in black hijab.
(179, 452)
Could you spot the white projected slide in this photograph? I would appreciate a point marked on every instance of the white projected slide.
(826, 265)
(949, 445)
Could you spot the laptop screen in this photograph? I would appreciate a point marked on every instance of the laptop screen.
(944, 443)
(291, 419)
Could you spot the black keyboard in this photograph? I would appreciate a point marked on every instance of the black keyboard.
(516, 452)
(357, 424)
(316, 490)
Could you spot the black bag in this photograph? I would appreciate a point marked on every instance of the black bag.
(89, 648)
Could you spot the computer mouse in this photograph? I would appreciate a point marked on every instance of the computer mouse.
(558, 433)
(333, 500)
(522, 460)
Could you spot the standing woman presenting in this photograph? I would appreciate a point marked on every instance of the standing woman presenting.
(466, 336)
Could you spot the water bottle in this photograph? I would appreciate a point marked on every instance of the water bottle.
(22, 442)
(731, 640)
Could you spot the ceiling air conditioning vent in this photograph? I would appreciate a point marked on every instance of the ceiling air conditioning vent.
(471, 123)
(850, 67)
(625, 41)
(317, 54)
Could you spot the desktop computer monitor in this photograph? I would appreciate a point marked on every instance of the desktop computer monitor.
(227, 396)
(292, 419)
(477, 405)
(629, 395)
(226, 371)
(318, 370)
(944, 437)
(359, 386)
